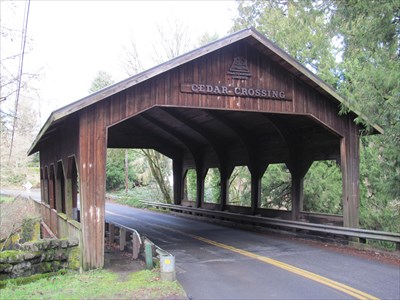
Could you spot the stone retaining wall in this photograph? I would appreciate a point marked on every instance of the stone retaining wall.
(43, 256)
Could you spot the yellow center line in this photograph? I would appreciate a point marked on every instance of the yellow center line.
(315, 277)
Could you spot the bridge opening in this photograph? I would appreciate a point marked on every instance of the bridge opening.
(212, 186)
(60, 188)
(240, 187)
(324, 198)
(276, 188)
(190, 186)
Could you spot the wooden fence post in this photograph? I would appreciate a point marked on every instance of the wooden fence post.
(135, 246)
(122, 239)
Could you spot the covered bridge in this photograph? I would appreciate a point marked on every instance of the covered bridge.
(238, 101)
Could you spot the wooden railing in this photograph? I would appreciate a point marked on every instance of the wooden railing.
(362, 234)
(60, 225)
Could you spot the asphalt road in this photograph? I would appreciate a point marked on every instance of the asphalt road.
(217, 262)
(32, 193)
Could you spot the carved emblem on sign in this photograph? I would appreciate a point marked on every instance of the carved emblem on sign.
(239, 69)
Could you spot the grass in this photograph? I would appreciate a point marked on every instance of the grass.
(97, 284)
(4, 199)
(135, 195)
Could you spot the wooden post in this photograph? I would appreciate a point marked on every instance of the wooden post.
(122, 238)
(297, 195)
(135, 246)
(92, 169)
(349, 163)
(68, 198)
(224, 189)
(111, 233)
(178, 179)
(200, 175)
(257, 170)
(298, 170)
(255, 191)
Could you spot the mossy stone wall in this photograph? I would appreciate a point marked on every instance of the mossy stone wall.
(42, 256)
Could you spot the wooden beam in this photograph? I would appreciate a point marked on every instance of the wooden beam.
(194, 148)
(349, 162)
(168, 149)
(92, 172)
(212, 140)
(177, 167)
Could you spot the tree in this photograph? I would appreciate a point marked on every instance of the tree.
(323, 182)
(276, 187)
(118, 171)
(173, 40)
(102, 80)
(207, 38)
(161, 169)
(354, 46)
(19, 105)
(370, 33)
(131, 62)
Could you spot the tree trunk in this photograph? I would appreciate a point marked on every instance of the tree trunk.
(159, 171)
(126, 171)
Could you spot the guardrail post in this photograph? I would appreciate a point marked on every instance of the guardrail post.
(167, 267)
(122, 239)
(135, 246)
(111, 235)
(148, 251)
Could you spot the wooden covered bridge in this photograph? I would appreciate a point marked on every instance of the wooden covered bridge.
(239, 101)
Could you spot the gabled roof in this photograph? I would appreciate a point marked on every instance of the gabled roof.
(251, 35)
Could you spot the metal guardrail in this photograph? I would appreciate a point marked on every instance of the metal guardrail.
(167, 260)
(134, 231)
(328, 229)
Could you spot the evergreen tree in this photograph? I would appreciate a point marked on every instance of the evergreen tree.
(354, 46)
(370, 32)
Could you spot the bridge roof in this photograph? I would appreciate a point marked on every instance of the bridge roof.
(251, 36)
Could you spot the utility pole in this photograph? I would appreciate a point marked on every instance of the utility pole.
(21, 64)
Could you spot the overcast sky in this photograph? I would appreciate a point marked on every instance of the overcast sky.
(69, 41)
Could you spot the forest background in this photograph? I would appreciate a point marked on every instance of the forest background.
(352, 45)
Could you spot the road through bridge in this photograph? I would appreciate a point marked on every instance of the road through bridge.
(218, 262)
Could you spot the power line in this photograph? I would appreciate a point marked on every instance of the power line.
(21, 64)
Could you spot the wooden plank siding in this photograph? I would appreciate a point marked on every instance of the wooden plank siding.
(200, 131)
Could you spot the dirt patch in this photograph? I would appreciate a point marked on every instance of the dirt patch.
(121, 262)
